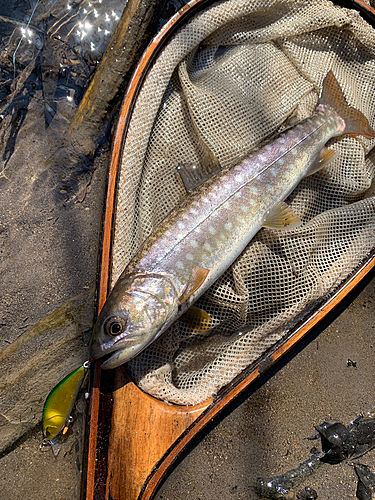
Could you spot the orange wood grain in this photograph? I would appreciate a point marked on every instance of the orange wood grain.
(143, 429)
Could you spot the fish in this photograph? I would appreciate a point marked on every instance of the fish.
(59, 405)
(203, 235)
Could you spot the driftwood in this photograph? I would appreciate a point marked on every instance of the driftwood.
(137, 24)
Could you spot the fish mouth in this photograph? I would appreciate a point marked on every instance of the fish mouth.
(114, 360)
(124, 355)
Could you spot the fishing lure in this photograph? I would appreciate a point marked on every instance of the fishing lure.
(58, 406)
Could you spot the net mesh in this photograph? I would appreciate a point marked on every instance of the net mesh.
(231, 77)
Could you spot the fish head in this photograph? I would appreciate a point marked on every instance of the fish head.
(137, 311)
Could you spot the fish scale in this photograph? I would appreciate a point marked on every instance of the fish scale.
(203, 236)
(250, 185)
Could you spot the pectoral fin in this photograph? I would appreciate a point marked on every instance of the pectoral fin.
(282, 217)
(324, 157)
(197, 319)
(198, 277)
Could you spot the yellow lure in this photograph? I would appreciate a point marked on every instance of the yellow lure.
(60, 402)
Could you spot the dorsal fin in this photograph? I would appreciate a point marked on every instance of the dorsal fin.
(193, 175)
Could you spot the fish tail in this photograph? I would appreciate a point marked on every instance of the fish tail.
(355, 122)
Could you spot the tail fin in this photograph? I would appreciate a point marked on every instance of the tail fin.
(355, 122)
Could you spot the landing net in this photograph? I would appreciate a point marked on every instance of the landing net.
(231, 77)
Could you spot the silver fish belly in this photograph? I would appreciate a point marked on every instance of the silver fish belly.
(202, 237)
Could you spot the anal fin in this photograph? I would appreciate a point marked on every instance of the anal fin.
(282, 217)
(325, 156)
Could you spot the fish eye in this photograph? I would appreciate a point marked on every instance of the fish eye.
(114, 325)
(47, 433)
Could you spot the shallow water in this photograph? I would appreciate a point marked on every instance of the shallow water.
(51, 207)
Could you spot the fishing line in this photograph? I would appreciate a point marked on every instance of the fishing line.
(22, 37)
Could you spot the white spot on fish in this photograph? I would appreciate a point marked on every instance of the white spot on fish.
(282, 139)
(181, 225)
(239, 178)
(262, 158)
(205, 200)
(281, 161)
(269, 187)
(227, 205)
(194, 243)
(190, 256)
(253, 190)
(180, 265)
(194, 211)
(273, 172)
(237, 194)
(245, 209)
(212, 230)
(294, 151)
(228, 226)
(240, 219)
(207, 247)
(222, 236)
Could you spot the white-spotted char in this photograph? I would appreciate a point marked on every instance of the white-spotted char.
(202, 237)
